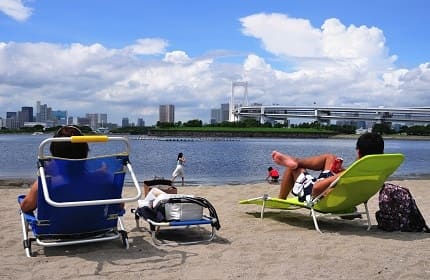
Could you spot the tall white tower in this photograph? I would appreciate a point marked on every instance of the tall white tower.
(233, 104)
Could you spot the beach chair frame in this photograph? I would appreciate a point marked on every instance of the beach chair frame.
(31, 223)
(206, 220)
(156, 227)
(355, 186)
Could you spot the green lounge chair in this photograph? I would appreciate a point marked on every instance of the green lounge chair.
(356, 185)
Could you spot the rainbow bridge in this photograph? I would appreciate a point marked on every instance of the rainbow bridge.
(407, 116)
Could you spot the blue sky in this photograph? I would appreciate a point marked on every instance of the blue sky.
(124, 58)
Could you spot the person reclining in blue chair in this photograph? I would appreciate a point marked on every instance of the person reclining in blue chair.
(297, 180)
(57, 149)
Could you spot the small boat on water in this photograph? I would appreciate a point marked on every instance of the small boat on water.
(102, 130)
(37, 133)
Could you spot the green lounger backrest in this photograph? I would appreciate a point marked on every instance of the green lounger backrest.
(363, 179)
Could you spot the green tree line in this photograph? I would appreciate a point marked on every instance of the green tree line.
(246, 123)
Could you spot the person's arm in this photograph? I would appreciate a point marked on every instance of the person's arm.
(321, 186)
(29, 203)
(269, 174)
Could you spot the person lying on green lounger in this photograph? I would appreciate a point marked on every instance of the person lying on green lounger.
(297, 180)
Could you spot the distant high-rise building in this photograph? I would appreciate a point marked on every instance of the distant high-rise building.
(59, 117)
(215, 116)
(27, 114)
(167, 113)
(70, 120)
(140, 122)
(44, 113)
(103, 120)
(12, 120)
(38, 111)
(11, 115)
(125, 122)
(94, 120)
(83, 121)
(225, 112)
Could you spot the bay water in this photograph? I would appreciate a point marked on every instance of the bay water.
(213, 161)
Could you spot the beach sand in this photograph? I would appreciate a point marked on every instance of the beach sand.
(284, 245)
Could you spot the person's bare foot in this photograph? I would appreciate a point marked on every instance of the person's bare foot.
(284, 160)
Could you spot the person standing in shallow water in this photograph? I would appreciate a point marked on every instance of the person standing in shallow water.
(179, 170)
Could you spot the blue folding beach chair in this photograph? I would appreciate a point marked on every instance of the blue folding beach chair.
(79, 200)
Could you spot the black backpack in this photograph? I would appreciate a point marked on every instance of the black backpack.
(398, 210)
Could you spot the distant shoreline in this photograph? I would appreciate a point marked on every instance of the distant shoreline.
(267, 134)
(256, 134)
(386, 137)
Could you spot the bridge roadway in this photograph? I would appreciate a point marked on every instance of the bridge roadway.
(407, 116)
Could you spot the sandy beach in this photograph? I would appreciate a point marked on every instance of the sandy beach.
(284, 245)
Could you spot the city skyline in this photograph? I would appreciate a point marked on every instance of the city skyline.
(127, 58)
(49, 117)
(42, 113)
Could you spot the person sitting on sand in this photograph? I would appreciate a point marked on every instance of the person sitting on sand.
(58, 149)
(272, 175)
(301, 183)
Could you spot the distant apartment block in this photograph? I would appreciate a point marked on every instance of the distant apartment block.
(215, 116)
(140, 122)
(125, 122)
(103, 120)
(43, 112)
(94, 120)
(167, 113)
(219, 115)
(225, 112)
(81, 121)
(59, 117)
(12, 120)
(26, 114)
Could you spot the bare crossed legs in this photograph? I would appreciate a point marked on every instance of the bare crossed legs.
(296, 166)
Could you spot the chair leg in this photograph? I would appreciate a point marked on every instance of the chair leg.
(123, 233)
(369, 224)
(124, 237)
(26, 241)
(314, 217)
(264, 197)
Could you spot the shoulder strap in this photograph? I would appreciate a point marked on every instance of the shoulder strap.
(425, 227)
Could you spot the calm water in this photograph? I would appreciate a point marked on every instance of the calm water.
(213, 162)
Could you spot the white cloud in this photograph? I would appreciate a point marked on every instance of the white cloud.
(178, 57)
(282, 35)
(331, 65)
(15, 9)
(298, 40)
(93, 78)
(148, 46)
